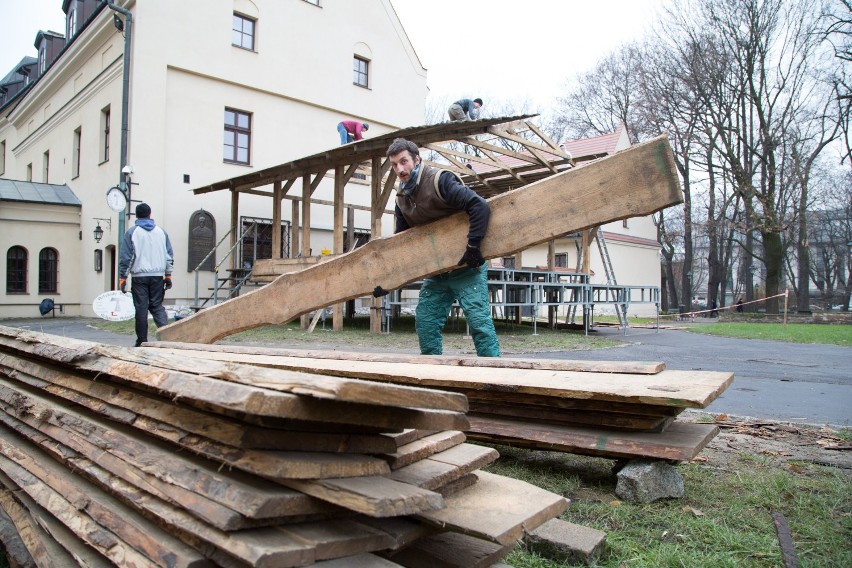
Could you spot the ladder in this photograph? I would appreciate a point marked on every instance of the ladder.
(620, 308)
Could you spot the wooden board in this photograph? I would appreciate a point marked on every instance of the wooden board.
(104, 398)
(96, 508)
(497, 509)
(633, 367)
(445, 467)
(210, 393)
(634, 182)
(219, 498)
(120, 361)
(101, 539)
(608, 420)
(358, 561)
(420, 449)
(451, 550)
(50, 543)
(695, 389)
(373, 496)
(680, 442)
(17, 554)
(116, 438)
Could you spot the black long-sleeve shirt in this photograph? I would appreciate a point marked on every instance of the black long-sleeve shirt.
(462, 198)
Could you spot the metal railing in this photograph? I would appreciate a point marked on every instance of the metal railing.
(234, 290)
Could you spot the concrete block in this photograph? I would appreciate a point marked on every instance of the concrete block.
(566, 542)
(645, 481)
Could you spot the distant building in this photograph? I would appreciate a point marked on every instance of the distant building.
(217, 88)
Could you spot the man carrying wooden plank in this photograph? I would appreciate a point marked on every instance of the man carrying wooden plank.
(426, 194)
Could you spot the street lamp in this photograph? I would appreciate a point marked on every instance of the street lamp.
(98, 233)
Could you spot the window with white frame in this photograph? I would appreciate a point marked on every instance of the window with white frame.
(45, 167)
(243, 31)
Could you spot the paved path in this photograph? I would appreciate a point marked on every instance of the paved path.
(793, 382)
(772, 379)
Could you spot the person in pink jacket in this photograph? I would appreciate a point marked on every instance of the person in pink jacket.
(351, 130)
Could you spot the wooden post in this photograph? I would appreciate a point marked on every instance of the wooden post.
(236, 230)
(786, 296)
(294, 230)
(337, 247)
(551, 265)
(276, 219)
(587, 269)
(375, 232)
(306, 230)
(349, 244)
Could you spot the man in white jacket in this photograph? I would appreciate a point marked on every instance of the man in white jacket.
(146, 254)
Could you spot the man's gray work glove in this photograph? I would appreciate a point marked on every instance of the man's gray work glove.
(378, 292)
(472, 257)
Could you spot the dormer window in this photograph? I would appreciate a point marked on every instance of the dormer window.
(71, 22)
(42, 59)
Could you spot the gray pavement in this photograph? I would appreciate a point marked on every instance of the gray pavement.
(809, 384)
(773, 380)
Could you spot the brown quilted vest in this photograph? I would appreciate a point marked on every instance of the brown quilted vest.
(425, 203)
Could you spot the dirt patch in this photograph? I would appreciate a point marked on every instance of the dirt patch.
(781, 442)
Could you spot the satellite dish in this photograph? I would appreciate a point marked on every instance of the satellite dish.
(114, 306)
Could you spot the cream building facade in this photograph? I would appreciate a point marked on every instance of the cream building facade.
(270, 78)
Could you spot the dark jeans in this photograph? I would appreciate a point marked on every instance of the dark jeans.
(148, 294)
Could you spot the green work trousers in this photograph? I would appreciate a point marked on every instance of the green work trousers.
(470, 287)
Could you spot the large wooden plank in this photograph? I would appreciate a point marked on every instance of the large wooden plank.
(695, 389)
(506, 362)
(420, 449)
(373, 496)
(50, 543)
(253, 502)
(103, 397)
(115, 437)
(634, 182)
(445, 467)
(608, 420)
(17, 554)
(497, 509)
(112, 358)
(104, 510)
(97, 536)
(210, 393)
(679, 442)
(451, 550)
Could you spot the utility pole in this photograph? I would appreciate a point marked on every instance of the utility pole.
(124, 170)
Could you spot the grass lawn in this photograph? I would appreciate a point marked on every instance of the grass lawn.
(724, 518)
(513, 338)
(793, 332)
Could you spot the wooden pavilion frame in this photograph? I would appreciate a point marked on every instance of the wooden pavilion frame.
(492, 156)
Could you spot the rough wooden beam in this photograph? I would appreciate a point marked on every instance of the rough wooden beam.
(634, 182)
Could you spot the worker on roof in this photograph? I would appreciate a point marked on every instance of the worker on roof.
(465, 109)
(351, 130)
(426, 194)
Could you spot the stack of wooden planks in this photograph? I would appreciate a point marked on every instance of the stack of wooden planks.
(620, 410)
(142, 457)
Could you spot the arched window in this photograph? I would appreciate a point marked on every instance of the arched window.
(48, 271)
(16, 270)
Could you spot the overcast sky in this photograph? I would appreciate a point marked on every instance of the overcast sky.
(507, 49)
(513, 49)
